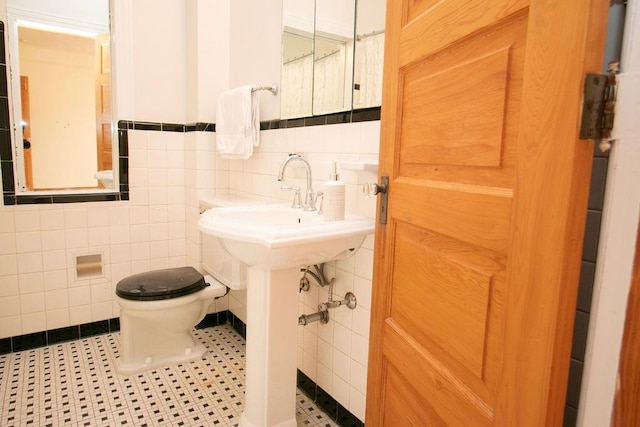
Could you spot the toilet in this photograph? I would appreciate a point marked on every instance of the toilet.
(160, 308)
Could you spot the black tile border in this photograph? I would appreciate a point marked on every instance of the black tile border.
(214, 319)
(5, 345)
(29, 341)
(353, 116)
(238, 325)
(85, 330)
(94, 328)
(55, 336)
(327, 403)
(6, 162)
(587, 279)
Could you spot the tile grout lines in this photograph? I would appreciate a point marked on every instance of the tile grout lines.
(75, 384)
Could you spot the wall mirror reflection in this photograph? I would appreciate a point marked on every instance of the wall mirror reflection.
(369, 54)
(317, 57)
(333, 55)
(297, 74)
(59, 54)
(298, 17)
(328, 65)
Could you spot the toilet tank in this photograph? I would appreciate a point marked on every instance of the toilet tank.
(215, 260)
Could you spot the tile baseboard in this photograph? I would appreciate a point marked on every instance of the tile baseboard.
(327, 403)
(70, 333)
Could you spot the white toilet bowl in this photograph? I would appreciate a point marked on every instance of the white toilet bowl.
(158, 311)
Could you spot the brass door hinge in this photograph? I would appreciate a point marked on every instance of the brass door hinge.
(598, 108)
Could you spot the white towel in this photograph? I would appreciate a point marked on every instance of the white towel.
(238, 123)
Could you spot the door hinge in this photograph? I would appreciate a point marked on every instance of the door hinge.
(598, 108)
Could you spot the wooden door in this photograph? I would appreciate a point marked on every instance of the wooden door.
(26, 132)
(103, 103)
(476, 270)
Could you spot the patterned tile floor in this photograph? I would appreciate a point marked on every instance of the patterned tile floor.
(75, 384)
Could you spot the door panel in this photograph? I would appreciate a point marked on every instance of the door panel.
(461, 109)
(476, 270)
(440, 292)
(412, 409)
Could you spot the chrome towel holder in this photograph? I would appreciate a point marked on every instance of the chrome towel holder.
(273, 88)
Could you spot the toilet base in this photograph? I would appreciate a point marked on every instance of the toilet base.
(197, 352)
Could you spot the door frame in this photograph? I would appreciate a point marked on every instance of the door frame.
(617, 242)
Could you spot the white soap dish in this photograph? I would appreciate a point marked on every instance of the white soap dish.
(361, 165)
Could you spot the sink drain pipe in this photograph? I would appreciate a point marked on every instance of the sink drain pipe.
(322, 314)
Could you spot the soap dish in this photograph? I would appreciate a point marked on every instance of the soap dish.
(361, 165)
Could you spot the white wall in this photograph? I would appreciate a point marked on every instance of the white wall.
(208, 57)
(256, 52)
(159, 60)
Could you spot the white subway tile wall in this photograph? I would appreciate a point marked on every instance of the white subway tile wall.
(157, 228)
(333, 355)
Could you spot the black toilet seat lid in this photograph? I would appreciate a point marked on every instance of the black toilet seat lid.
(161, 284)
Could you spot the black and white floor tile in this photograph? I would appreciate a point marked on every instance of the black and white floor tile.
(75, 384)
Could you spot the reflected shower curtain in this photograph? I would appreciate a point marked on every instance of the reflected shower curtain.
(297, 87)
(328, 82)
(369, 65)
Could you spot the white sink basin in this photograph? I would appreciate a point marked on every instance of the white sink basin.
(277, 236)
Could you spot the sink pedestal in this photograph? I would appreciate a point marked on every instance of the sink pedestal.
(271, 347)
(273, 241)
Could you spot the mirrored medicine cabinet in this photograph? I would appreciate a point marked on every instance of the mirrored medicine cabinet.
(332, 56)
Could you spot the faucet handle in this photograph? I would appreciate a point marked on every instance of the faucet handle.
(320, 195)
(297, 198)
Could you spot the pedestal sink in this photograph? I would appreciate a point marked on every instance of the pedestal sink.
(274, 241)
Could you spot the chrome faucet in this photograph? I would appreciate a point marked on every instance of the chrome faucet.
(310, 197)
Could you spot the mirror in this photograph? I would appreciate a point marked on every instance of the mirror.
(317, 57)
(369, 54)
(297, 74)
(333, 55)
(296, 94)
(59, 54)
